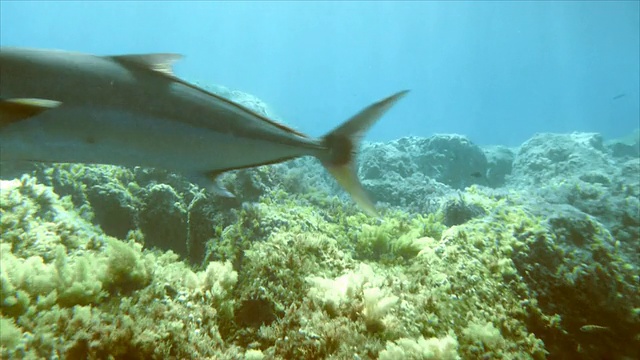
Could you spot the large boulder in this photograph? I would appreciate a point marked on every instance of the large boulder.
(547, 157)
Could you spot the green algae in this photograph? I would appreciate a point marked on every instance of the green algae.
(284, 278)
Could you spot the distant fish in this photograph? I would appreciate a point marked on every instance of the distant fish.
(594, 328)
(619, 96)
(476, 174)
(130, 110)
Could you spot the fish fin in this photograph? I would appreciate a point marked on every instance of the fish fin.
(162, 63)
(211, 182)
(342, 144)
(217, 188)
(14, 110)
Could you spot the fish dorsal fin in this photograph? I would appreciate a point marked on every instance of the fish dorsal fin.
(162, 63)
(14, 110)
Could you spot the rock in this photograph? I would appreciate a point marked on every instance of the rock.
(410, 172)
(547, 157)
(579, 274)
(499, 165)
(449, 159)
(457, 211)
(576, 169)
(626, 147)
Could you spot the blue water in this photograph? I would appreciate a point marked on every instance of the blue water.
(495, 71)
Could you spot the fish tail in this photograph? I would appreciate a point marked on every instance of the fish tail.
(342, 144)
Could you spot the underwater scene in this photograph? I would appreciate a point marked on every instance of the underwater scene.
(320, 180)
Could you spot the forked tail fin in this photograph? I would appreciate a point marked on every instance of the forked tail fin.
(343, 142)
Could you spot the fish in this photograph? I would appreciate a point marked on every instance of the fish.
(60, 106)
(594, 328)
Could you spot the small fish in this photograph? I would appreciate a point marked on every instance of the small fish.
(594, 328)
(619, 96)
(476, 174)
(131, 110)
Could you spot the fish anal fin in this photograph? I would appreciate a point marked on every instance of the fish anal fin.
(211, 182)
(14, 110)
(162, 63)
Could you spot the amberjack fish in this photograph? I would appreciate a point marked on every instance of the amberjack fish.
(131, 110)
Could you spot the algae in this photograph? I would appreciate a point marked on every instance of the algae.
(288, 272)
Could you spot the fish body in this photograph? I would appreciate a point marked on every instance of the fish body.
(58, 106)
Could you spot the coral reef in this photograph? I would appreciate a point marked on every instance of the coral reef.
(81, 293)
(479, 253)
(576, 169)
(499, 165)
(407, 171)
(77, 293)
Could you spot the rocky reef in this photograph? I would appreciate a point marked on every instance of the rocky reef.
(494, 253)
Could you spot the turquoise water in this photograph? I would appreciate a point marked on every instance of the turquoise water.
(496, 72)
(507, 184)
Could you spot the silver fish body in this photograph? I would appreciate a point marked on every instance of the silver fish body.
(58, 106)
